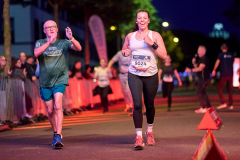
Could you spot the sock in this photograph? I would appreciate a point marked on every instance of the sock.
(54, 132)
(138, 131)
(149, 127)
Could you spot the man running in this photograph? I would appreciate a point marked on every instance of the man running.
(52, 54)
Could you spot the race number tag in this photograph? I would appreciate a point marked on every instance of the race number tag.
(167, 78)
(141, 62)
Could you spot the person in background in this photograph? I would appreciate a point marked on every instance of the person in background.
(30, 68)
(87, 73)
(202, 68)
(166, 74)
(3, 68)
(123, 65)
(76, 71)
(23, 59)
(144, 45)
(102, 74)
(17, 72)
(225, 60)
(52, 54)
(238, 72)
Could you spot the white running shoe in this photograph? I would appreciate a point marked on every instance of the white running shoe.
(231, 107)
(28, 115)
(222, 106)
(201, 110)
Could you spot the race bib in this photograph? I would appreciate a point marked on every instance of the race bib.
(167, 78)
(141, 62)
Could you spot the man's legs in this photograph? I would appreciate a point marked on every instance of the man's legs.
(58, 111)
(200, 93)
(126, 92)
(51, 113)
(205, 96)
(229, 89)
(221, 83)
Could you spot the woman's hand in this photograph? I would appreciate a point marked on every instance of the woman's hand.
(148, 40)
(126, 52)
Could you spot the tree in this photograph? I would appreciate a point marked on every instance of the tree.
(173, 49)
(233, 13)
(108, 10)
(142, 4)
(7, 34)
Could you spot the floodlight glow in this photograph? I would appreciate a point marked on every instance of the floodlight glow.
(165, 24)
(175, 39)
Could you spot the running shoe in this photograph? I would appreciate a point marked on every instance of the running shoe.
(150, 138)
(201, 110)
(139, 143)
(57, 141)
(222, 106)
(231, 107)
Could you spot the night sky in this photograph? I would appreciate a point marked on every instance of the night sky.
(195, 15)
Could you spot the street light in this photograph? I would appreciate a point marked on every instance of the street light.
(165, 24)
(175, 39)
(113, 28)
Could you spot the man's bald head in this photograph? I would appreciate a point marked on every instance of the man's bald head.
(49, 22)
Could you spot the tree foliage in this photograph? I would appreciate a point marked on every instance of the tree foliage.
(233, 13)
(146, 5)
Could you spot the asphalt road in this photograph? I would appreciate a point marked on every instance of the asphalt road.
(92, 135)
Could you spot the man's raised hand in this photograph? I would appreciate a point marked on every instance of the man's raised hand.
(69, 33)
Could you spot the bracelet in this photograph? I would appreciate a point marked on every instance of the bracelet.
(72, 39)
(154, 46)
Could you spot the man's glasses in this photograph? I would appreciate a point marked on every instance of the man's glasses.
(50, 28)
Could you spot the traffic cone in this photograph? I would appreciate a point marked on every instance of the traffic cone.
(210, 120)
(209, 149)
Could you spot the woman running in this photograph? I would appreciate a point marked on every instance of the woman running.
(166, 74)
(143, 72)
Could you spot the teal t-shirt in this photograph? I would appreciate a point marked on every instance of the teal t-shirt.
(54, 63)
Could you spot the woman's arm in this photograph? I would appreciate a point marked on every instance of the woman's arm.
(178, 77)
(157, 45)
(125, 49)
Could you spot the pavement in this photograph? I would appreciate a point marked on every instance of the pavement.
(92, 135)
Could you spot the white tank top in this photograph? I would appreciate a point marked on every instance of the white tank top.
(143, 61)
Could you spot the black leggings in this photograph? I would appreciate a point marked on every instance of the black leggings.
(103, 92)
(147, 85)
(167, 88)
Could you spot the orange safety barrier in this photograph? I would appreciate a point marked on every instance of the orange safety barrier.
(18, 97)
(79, 93)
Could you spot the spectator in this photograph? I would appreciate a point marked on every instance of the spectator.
(3, 64)
(17, 71)
(87, 73)
(76, 71)
(30, 68)
(23, 59)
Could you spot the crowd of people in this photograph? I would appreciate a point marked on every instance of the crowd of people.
(139, 75)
